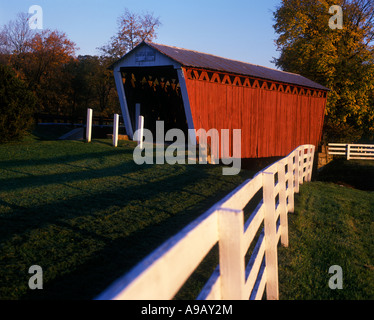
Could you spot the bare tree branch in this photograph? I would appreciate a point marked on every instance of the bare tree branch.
(15, 36)
(133, 29)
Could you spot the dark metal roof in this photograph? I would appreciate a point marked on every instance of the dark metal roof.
(190, 58)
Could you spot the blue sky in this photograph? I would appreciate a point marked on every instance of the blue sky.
(236, 29)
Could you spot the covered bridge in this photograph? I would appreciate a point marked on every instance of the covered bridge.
(276, 111)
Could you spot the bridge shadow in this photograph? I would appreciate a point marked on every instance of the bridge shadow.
(357, 174)
(119, 255)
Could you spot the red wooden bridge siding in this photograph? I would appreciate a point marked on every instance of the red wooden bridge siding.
(277, 111)
(274, 117)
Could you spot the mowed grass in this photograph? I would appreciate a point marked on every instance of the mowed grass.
(86, 213)
(333, 224)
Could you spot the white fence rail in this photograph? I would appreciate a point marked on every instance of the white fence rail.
(161, 274)
(352, 151)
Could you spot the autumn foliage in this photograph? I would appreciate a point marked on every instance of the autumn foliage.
(340, 59)
(62, 83)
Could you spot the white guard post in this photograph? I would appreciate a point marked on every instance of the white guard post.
(89, 125)
(140, 132)
(115, 130)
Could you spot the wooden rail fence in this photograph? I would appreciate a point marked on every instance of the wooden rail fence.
(352, 151)
(161, 275)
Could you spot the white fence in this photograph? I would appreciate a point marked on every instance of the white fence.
(352, 151)
(163, 272)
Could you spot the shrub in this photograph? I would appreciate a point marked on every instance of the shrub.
(17, 106)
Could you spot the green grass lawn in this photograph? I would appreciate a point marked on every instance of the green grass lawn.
(86, 213)
(333, 224)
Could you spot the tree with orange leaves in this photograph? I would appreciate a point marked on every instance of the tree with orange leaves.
(43, 67)
(49, 50)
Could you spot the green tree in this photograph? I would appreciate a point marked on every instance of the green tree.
(92, 85)
(17, 106)
(340, 59)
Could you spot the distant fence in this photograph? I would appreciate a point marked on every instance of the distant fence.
(53, 118)
(161, 275)
(352, 151)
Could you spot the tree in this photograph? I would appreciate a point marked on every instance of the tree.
(340, 59)
(92, 85)
(17, 106)
(48, 50)
(16, 35)
(39, 58)
(132, 30)
(62, 83)
(104, 87)
(44, 65)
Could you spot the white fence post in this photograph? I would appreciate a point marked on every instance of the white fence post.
(140, 131)
(308, 166)
(301, 165)
(348, 152)
(297, 170)
(291, 181)
(231, 258)
(115, 130)
(89, 125)
(270, 228)
(311, 161)
(283, 203)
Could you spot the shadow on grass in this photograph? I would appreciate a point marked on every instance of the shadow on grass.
(358, 174)
(64, 158)
(166, 200)
(118, 256)
(42, 180)
(27, 218)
